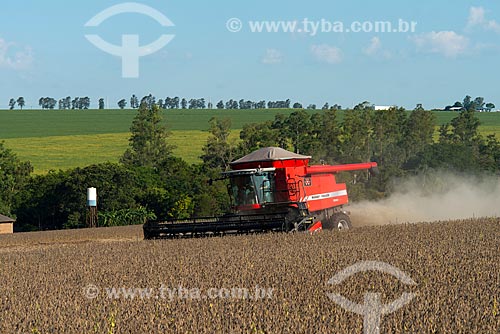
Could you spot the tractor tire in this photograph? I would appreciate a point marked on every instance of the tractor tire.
(338, 221)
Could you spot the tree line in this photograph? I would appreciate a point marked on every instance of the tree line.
(201, 103)
(401, 142)
(477, 104)
(149, 181)
(166, 103)
(51, 103)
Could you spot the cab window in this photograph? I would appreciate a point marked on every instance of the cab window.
(264, 183)
(243, 190)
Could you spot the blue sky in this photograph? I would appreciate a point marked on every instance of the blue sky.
(454, 51)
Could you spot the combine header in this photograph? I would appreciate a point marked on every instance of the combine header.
(272, 190)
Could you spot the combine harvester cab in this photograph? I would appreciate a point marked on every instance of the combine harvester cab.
(272, 190)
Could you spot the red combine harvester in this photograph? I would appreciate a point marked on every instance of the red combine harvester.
(272, 190)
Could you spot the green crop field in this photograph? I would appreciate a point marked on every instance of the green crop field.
(55, 139)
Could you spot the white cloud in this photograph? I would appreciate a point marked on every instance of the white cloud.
(17, 60)
(448, 43)
(374, 47)
(272, 56)
(477, 17)
(493, 25)
(326, 53)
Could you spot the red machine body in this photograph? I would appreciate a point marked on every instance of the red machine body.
(296, 181)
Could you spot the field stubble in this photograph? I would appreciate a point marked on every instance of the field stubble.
(455, 265)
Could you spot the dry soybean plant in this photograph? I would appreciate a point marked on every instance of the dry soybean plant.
(61, 282)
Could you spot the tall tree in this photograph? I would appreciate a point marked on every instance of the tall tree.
(12, 104)
(478, 103)
(134, 102)
(219, 152)
(298, 126)
(67, 102)
(122, 103)
(387, 138)
(85, 102)
(175, 102)
(356, 129)
(419, 130)
(465, 127)
(388, 133)
(101, 103)
(490, 106)
(13, 176)
(149, 100)
(467, 104)
(328, 134)
(257, 135)
(148, 142)
(20, 102)
(75, 103)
